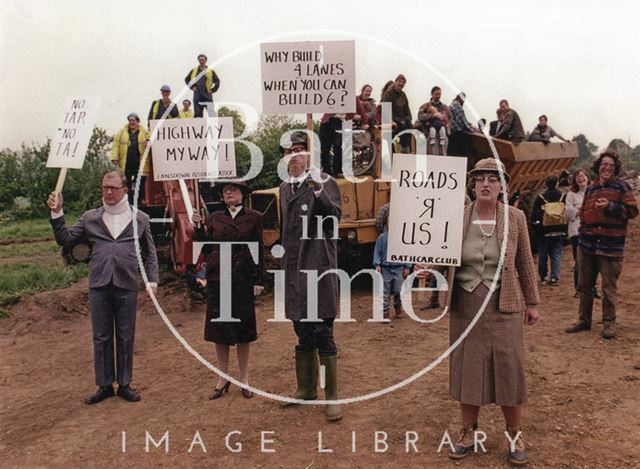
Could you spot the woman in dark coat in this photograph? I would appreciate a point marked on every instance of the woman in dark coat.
(235, 224)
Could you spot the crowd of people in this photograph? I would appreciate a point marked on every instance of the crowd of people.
(131, 140)
(487, 366)
(446, 128)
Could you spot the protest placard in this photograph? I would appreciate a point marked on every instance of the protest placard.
(308, 77)
(70, 142)
(426, 211)
(200, 148)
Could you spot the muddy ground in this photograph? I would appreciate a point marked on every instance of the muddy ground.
(583, 412)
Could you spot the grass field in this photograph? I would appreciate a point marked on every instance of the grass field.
(29, 265)
(25, 229)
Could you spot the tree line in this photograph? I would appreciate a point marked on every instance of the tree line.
(25, 181)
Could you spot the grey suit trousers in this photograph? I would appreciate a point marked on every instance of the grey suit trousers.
(113, 308)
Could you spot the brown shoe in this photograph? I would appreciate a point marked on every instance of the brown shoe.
(464, 445)
(578, 327)
(609, 331)
(517, 452)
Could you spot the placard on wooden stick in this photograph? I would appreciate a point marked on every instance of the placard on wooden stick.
(71, 140)
(196, 148)
(308, 77)
(427, 208)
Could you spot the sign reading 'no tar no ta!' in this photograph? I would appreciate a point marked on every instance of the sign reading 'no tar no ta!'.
(308, 77)
(71, 140)
(426, 211)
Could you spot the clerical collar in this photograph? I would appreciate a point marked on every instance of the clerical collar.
(300, 179)
(118, 208)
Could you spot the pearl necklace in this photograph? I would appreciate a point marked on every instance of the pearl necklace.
(493, 227)
(490, 233)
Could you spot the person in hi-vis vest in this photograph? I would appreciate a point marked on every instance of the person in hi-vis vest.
(202, 84)
(128, 155)
(160, 106)
(186, 112)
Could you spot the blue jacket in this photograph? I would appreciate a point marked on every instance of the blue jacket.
(380, 254)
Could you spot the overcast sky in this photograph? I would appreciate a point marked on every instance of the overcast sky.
(576, 61)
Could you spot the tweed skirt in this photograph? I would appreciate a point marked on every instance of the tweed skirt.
(488, 365)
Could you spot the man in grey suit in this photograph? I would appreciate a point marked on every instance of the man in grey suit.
(113, 279)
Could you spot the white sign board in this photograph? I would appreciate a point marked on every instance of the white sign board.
(200, 148)
(426, 211)
(70, 143)
(307, 77)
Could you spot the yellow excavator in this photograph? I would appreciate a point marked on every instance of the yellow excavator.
(528, 164)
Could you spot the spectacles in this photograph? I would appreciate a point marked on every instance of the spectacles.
(492, 179)
(111, 188)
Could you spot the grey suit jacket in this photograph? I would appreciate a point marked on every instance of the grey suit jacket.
(112, 260)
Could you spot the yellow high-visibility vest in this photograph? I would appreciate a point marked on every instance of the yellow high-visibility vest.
(208, 75)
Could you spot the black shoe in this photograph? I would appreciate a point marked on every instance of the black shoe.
(578, 327)
(553, 282)
(217, 393)
(246, 393)
(128, 394)
(101, 394)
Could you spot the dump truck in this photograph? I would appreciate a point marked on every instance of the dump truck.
(528, 164)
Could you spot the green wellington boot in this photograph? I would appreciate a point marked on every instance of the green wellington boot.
(306, 376)
(332, 411)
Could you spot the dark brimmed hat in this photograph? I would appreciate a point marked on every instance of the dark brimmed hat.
(489, 165)
(243, 186)
(294, 138)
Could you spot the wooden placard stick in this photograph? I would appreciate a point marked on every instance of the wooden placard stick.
(310, 137)
(59, 184)
(450, 274)
(196, 196)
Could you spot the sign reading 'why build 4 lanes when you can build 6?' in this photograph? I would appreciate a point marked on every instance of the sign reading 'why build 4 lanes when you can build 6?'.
(427, 207)
(200, 148)
(308, 77)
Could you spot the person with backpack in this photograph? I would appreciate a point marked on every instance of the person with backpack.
(550, 218)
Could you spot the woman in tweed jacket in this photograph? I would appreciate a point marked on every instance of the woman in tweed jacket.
(487, 365)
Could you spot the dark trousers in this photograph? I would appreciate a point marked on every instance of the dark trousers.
(330, 139)
(198, 109)
(113, 309)
(402, 123)
(132, 176)
(609, 269)
(550, 247)
(459, 144)
(316, 335)
(574, 252)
